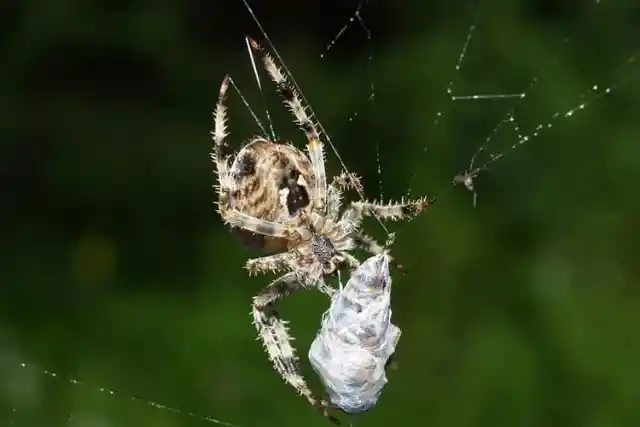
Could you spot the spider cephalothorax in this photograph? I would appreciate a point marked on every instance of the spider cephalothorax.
(278, 197)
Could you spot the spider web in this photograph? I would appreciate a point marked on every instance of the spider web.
(520, 137)
(487, 152)
(21, 378)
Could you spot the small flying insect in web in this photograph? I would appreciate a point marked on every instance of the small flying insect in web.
(277, 196)
(588, 97)
(356, 339)
(465, 178)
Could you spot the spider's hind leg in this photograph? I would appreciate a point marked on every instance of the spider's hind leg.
(274, 334)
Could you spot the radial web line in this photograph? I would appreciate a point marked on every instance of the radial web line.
(114, 394)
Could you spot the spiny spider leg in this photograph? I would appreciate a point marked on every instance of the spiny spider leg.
(221, 153)
(272, 263)
(351, 261)
(235, 218)
(352, 216)
(273, 332)
(347, 181)
(340, 183)
(393, 211)
(292, 99)
(370, 244)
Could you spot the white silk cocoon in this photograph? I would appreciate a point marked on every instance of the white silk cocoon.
(356, 338)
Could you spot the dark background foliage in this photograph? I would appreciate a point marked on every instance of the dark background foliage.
(115, 269)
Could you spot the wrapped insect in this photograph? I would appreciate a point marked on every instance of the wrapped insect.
(356, 337)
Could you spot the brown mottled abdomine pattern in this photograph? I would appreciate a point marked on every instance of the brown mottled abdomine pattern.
(260, 172)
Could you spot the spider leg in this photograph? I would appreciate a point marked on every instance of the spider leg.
(351, 261)
(274, 334)
(370, 244)
(340, 183)
(325, 289)
(293, 101)
(235, 218)
(347, 181)
(221, 152)
(271, 263)
(334, 201)
(393, 211)
(367, 243)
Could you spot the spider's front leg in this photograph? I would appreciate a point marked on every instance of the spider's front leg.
(351, 261)
(346, 181)
(393, 210)
(367, 243)
(221, 154)
(272, 263)
(235, 218)
(275, 337)
(340, 183)
(327, 290)
(370, 244)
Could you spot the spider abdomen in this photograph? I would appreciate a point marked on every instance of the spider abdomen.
(270, 181)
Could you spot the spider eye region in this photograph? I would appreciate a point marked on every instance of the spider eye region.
(323, 249)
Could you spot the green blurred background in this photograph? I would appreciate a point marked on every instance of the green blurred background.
(116, 271)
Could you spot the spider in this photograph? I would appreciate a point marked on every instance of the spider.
(277, 197)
